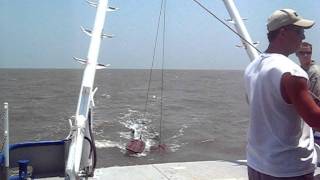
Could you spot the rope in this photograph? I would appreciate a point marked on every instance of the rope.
(153, 58)
(162, 12)
(162, 72)
(211, 13)
(314, 96)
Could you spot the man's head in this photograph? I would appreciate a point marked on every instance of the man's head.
(304, 53)
(284, 17)
(286, 29)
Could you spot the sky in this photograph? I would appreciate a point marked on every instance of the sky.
(47, 34)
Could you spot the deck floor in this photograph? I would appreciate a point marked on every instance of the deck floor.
(203, 170)
(200, 170)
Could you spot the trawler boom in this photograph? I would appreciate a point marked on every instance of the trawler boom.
(79, 161)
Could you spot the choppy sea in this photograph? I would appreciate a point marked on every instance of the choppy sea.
(204, 112)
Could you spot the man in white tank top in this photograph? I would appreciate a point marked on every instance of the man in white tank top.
(280, 143)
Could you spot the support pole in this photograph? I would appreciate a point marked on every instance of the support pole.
(241, 28)
(6, 138)
(79, 160)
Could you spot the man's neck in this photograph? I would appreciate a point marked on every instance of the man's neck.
(305, 67)
(275, 49)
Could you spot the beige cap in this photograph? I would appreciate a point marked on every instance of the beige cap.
(286, 17)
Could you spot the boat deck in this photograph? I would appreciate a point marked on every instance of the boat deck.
(204, 170)
(201, 170)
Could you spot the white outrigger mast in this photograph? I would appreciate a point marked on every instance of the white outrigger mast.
(80, 158)
(241, 29)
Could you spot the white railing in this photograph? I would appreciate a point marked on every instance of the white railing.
(6, 137)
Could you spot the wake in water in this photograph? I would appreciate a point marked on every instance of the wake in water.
(140, 128)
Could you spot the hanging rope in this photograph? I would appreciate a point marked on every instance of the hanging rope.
(162, 72)
(211, 13)
(161, 13)
(153, 58)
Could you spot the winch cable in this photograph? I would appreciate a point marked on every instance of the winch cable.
(221, 21)
(153, 59)
(161, 13)
(162, 71)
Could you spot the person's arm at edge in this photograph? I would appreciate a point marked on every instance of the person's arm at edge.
(295, 91)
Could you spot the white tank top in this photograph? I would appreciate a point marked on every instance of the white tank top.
(280, 143)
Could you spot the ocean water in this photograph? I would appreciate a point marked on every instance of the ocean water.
(204, 117)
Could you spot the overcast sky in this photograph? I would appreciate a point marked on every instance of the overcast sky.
(46, 33)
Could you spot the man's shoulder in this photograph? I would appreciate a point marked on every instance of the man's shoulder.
(268, 61)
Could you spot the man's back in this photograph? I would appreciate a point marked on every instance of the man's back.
(277, 137)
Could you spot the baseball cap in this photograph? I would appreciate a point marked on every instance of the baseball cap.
(284, 17)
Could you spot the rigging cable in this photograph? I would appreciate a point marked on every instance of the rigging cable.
(162, 12)
(162, 71)
(153, 58)
(211, 13)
